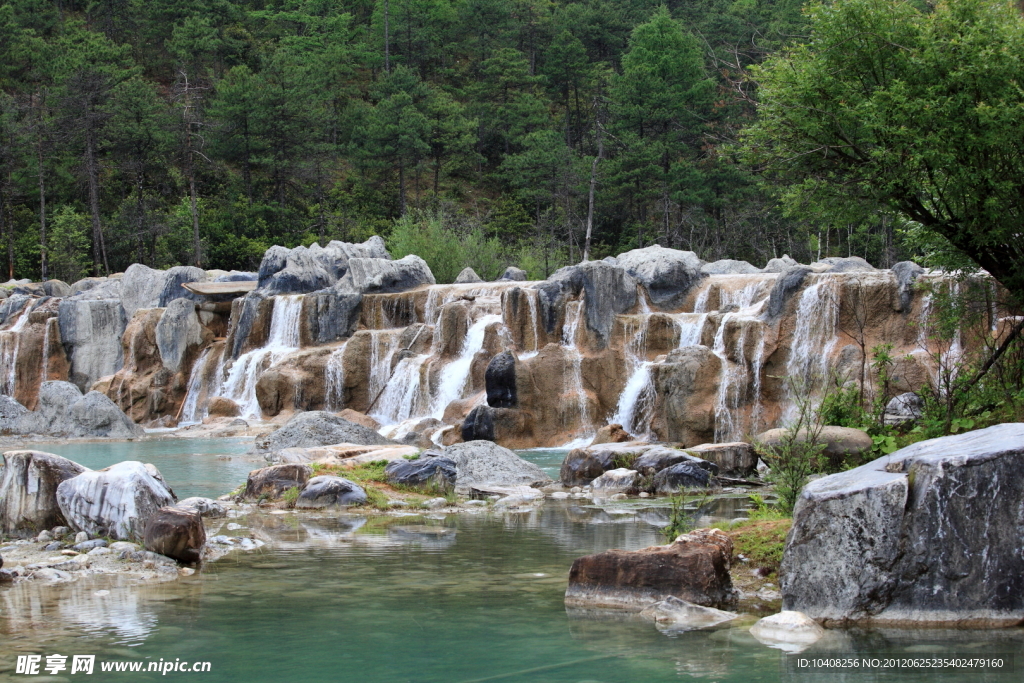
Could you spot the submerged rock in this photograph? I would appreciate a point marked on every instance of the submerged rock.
(679, 615)
(694, 568)
(177, 533)
(327, 492)
(28, 491)
(488, 464)
(116, 501)
(319, 428)
(788, 630)
(206, 507)
(927, 535)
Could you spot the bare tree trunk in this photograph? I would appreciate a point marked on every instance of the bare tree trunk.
(43, 260)
(93, 172)
(593, 186)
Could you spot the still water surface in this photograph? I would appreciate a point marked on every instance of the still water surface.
(443, 599)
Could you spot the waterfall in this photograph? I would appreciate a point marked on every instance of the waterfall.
(691, 328)
(10, 341)
(402, 398)
(633, 410)
(383, 345)
(191, 413)
(455, 374)
(44, 374)
(334, 381)
(574, 378)
(814, 337)
(240, 384)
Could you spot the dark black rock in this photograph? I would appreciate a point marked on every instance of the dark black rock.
(659, 458)
(500, 381)
(687, 474)
(439, 471)
(478, 425)
(331, 315)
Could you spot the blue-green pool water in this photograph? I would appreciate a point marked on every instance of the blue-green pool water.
(420, 599)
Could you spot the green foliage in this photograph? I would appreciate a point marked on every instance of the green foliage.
(912, 107)
(761, 542)
(290, 496)
(68, 245)
(684, 511)
(445, 247)
(376, 498)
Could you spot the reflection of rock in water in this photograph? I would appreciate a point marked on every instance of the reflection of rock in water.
(435, 537)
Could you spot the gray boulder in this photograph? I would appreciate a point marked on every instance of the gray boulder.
(467, 275)
(515, 274)
(927, 535)
(91, 332)
(331, 315)
(906, 273)
(685, 475)
(302, 271)
(904, 408)
(96, 415)
(779, 265)
(116, 501)
(12, 306)
(615, 481)
(330, 492)
(176, 533)
(206, 507)
(28, 491)
(582, 465)
(11, 415)
(177, 332)
(728, 266)
(271, 482)
(735, 459)
(479, 424)
(144, 287)
(174, 278)
(376, 275)
(846, 264)
(319, 428)
(423, 471)
(668, 274)
(787, 284)
(484, 463)
(609, 291)
(64, 412)
(840, 442)
(658, 458)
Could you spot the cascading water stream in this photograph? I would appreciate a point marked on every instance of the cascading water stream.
(637, 398)
(735, 377)
(814, 338)
(240, 384)
(334, 380)
(10, 341)
(455, 374)
(191, 413)
(574, 378)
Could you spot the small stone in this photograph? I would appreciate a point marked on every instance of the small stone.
(7, 575)
(122, 546)
(559, 495)
(397, 503)
(59, 531)
(89, 545)
(435, 503)
(186, 571)
(101, 551)
(789, 631)
(52, 546)
(44, 537)
(69, 553)
(575, 489)
(618, 496)
(644, 494)
(81, 537)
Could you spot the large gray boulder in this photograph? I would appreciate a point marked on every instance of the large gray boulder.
(500, 381)
(331, 315)
(845, 264)
(319, 428)
(303, 272)
(116, 501)
(778, 265)
(11, 415)
(515, 274)
(330, 492)
(930, 534)
(177, 332)
(786, 285)
(91, 330)
(12, 307)
(728, 266)
(377, 275)
(144, 287)
(668, 274)
(28, 491)
(271, 482)
(64, 412)
(609, 291)
(485, 463)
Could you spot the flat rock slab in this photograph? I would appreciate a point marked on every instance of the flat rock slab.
(219, 288)
(930, 534)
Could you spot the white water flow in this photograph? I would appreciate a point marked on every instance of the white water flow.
(44, 374)
(10, 340)
(636, 401)
(455, 374)
(403, 397)
(574, 376)
(334, 381)
(531, 298)
(191, 413)
(814, 337)
(735, 377)
(245, 372)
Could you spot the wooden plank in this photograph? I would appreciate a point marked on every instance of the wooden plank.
(214, 288)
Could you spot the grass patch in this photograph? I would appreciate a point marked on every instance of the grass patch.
(376, 498)
(624, 460)
(760, 541)
(290, 496)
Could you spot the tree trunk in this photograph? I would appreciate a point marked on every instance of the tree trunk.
(92, 171)
(43, 260)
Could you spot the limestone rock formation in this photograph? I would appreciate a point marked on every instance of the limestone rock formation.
(685, 475)
(178, 333)
(375, 275)
(91, 333)
(515, 274)
(687, 389)
(694, 568)
(28, 491)
(729, 267)
(467, 275)
(621, 480)
(926, 535)
(734, 459)
(613, 433)
(63, 412)
(786, 285)
(777, 265)
(177, 533)
(271, 482)
(143, 287)
(206, 507)
(116, 501)
(668, 274)
(319, 428)
(330, 492)
(582, 465)
(840, 442)
(483, 463)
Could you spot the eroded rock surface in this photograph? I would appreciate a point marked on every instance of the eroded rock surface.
(177, 533)
(28, 491)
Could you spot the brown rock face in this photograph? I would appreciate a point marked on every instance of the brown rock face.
(177, 533)
(694, 568)
(611, 434)
(687, 385)
(223, 407)
(359, 419)
(271, 482)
